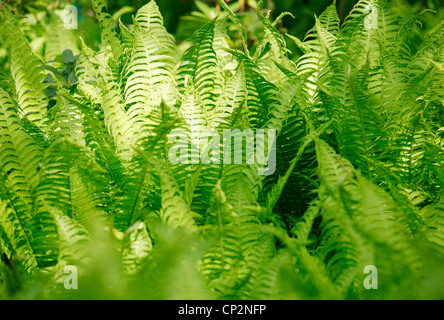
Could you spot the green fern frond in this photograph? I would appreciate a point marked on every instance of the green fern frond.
(238, 24)
(20, 156)
(272, 36)
(117, 120)
(15, 226)
(175, 212)
(261, 94)
(67, 121)
(28, 76)
(99, 141)
(74, 186)
(74, 241)
(230, 101)
(199, 65)
(109, 35)
(433, 215)
(136, 247)
(149, 73)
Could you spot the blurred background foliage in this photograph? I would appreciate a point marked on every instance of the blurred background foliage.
(183, 17)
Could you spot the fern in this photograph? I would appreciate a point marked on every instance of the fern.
(127, 173)
(150, 68)
(199, 65)
(27, 74)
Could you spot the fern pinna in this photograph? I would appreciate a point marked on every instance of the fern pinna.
(87, 178)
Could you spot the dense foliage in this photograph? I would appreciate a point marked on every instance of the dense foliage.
(86, 179)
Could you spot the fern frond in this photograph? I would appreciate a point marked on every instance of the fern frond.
(74, 241)
(28, 76)
(109, 35)
(175, 212)
(199, 67)
(238, 24)
(362, 217)
(20, 156)
(89, 84)
(149, 71)
(117, 121)
(433, 215)
(272, 36)
(137, 245)
(15, 225)
(74, 186)
(67, 121)
(230, 101)
(99, 141)
(261, 94)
